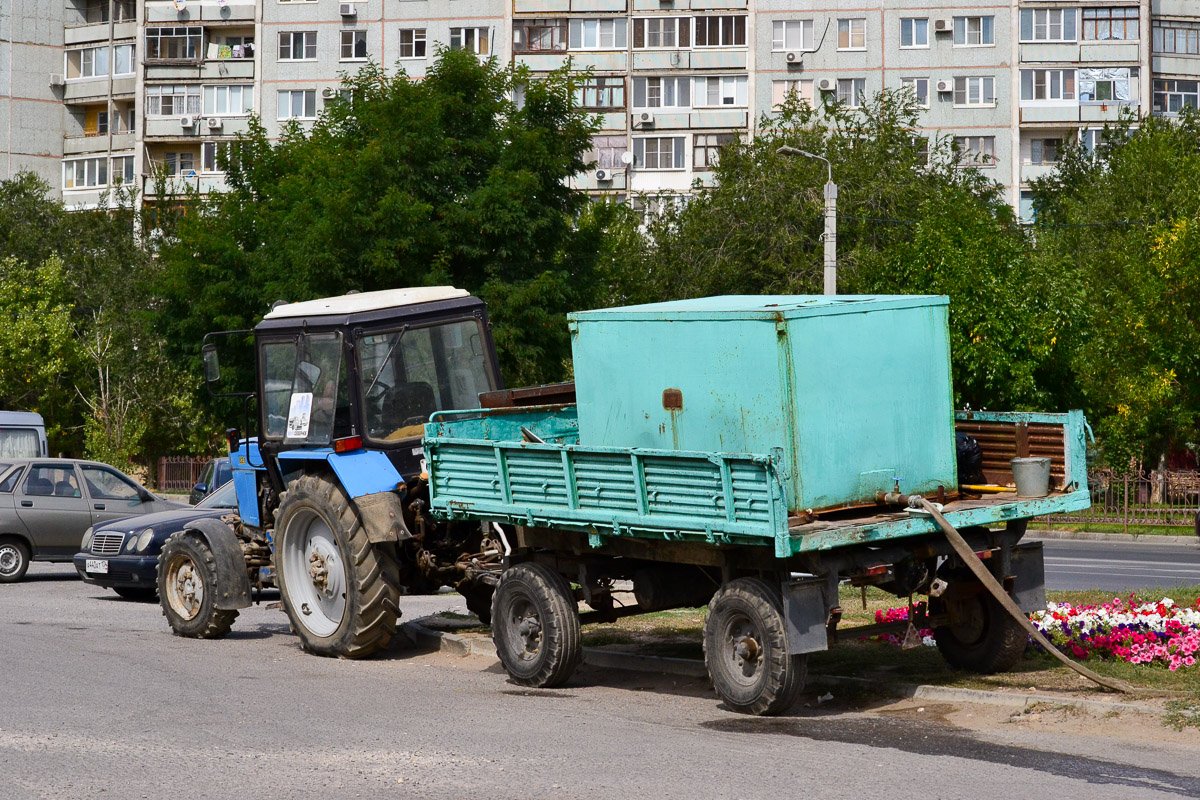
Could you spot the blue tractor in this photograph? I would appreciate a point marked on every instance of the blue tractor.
(333, 491)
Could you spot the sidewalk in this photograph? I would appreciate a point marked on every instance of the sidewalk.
(1188, 539)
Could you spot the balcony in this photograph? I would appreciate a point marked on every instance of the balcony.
(588, 182)
(613, 120)
(613, 61)
(562, 6)
(719, 58)
(686, 5)
(663, 120)
(79, 144)
(1031, 172)
(196, 11)
(718, 118)
(1174, 8)
(1109, 52)
(87, 90)
(1176, 66)
(1104, 112)
(202, 182)
(98, 32)
(1049, 53)
(1036, 114)
(665, 59)
(172, 127)
(208, 70)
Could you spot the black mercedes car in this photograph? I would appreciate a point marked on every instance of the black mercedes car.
(122, 555)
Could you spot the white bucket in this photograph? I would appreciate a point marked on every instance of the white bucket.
(1032, 476)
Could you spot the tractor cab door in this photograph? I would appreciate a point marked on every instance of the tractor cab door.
(305, 400)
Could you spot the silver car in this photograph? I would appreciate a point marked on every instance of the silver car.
(46, 504)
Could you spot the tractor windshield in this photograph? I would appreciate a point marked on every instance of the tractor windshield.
(301, 389)
(408, 373)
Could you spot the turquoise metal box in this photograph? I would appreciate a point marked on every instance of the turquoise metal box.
(851, 393)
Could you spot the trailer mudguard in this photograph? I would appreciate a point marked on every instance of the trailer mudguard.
(232, 578)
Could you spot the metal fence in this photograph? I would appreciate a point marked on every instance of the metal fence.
(1168, 498)
(179, 473)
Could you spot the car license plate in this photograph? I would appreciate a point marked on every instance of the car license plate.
(98, 565)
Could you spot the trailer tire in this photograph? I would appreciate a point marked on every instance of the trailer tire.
(745, 649)
(982, 636)
(340, 591)
(535, 626)
(187, 588)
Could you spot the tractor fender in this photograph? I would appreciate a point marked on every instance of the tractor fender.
(382, 516)
(233, 581)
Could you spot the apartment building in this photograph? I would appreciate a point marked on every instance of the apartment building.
(147, 92)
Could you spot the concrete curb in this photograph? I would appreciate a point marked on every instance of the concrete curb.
(1167, 540)
(460, 645)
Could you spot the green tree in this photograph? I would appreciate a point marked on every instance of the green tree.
(1119, 223)
(913, 217)
(402, 183)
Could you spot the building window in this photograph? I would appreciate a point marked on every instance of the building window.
(474, 40)
(791, 34)
(852, 34)
(354, 45)
(539, 35)
(175, 164)
(1105, 85)
(1103, 24)
(412, 42)
(122, 60)
(180, 43)
(725, 31)
(298, 104)
(227, 47)
(920, 88)
(122, 169)
(706, 148)
(850, 91)
(215, 155)
(1044, 151)
(659, 152)
(1048, 25)
(660, 32)
(800, 89)
(172, 101)
(1047, 84)
(601, 94)
(914, 32)
(970, 91)
(974, 31)
(598, 34)
(85, 173)
(662, 92)
(1171, 96)
(228, 100)
(606, 152)
(977, 151)
(297, 45)
(1180, 38)
(721, 91)
(90, 62)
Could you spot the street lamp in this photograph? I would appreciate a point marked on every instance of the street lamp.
(830, 237)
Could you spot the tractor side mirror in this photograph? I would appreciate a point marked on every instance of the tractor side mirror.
(212, 364)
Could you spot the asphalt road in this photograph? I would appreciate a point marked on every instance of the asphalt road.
(1121, 566)
(101, 701)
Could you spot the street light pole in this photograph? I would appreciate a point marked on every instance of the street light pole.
(830, 237)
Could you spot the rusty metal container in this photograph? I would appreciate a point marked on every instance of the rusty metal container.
(850, 393)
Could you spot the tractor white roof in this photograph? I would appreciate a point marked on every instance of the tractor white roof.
(366, 301)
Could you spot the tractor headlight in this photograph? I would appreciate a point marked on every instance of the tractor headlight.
(144, 540)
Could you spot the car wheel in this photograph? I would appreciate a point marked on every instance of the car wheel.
(141, 594)
(14, 560)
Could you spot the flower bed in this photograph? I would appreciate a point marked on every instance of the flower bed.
(1126, 630)
(1129, 630)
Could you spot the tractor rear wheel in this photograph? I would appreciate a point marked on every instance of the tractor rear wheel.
(340, 590)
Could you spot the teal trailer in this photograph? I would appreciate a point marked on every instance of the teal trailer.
(717, 453)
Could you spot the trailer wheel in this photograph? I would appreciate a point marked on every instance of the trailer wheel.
(340, 590)
(745, 649)
(981, 636)
(187, 588)
(535, 626)
(14, 560)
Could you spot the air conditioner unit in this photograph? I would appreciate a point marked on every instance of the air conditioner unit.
(347, 10)
(945, 86)
(644, 119)
(328, 93)
(826, 85)
(942, 26)
(793, 57)
(187, 122)
(603, 175)
(213, 123)
(56, 79)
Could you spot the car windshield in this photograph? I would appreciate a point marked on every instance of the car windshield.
(409, 373)
(225, 497)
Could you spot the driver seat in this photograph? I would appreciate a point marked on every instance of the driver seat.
(408, 400)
